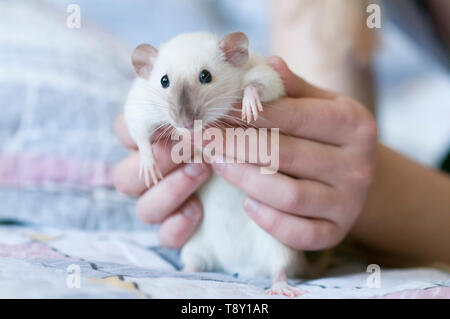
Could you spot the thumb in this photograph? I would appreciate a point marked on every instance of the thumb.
(293, 84)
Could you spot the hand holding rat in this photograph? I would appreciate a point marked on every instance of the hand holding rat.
(327, 159)
(170, 202)
(326, 166)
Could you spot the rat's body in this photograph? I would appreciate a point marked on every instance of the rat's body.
(228, 240)
(197, 76)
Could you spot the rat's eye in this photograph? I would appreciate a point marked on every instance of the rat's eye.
(205, 77)
(165, 81)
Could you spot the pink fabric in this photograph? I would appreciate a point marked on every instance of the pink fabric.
(18, 170)
(29, 251)
(430, 293)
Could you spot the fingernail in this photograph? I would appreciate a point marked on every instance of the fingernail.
(251, 205)
(194, 170)
(190, 211)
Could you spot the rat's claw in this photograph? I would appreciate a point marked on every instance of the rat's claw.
(260, 108)
(251, 104)
(254, 109)
(249, 113)
(153, 174)
(245, 107)
(143, 173)
(244, 110)
(156, 173)
(148, 168)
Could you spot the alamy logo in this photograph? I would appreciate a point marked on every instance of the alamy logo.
(73, 276)
(374, 280)
(73, 20)
(374, 19)
(255, 146)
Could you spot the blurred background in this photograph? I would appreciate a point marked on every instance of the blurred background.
(61, 88)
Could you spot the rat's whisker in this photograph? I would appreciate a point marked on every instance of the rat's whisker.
(160, 133)
(163, 134)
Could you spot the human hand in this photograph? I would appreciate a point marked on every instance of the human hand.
(326, 166)
(172, 202)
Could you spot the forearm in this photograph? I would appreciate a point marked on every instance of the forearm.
(325, 54)
(407, 213)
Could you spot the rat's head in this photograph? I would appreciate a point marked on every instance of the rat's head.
(194, 76)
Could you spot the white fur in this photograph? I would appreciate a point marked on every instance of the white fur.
(227, 240)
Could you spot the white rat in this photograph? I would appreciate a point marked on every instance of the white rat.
(186, 80)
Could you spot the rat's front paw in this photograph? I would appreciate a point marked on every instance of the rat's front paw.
(147, 168)
(251, 104)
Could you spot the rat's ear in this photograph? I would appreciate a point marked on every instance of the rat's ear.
(143, 58)
(235, 48)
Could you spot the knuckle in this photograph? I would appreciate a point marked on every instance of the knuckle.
(273, 224)
(367, 128)
(351, 118)
(363, 175)
(293, 199)
(347, 112)
(359, 117)
(287, 159)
